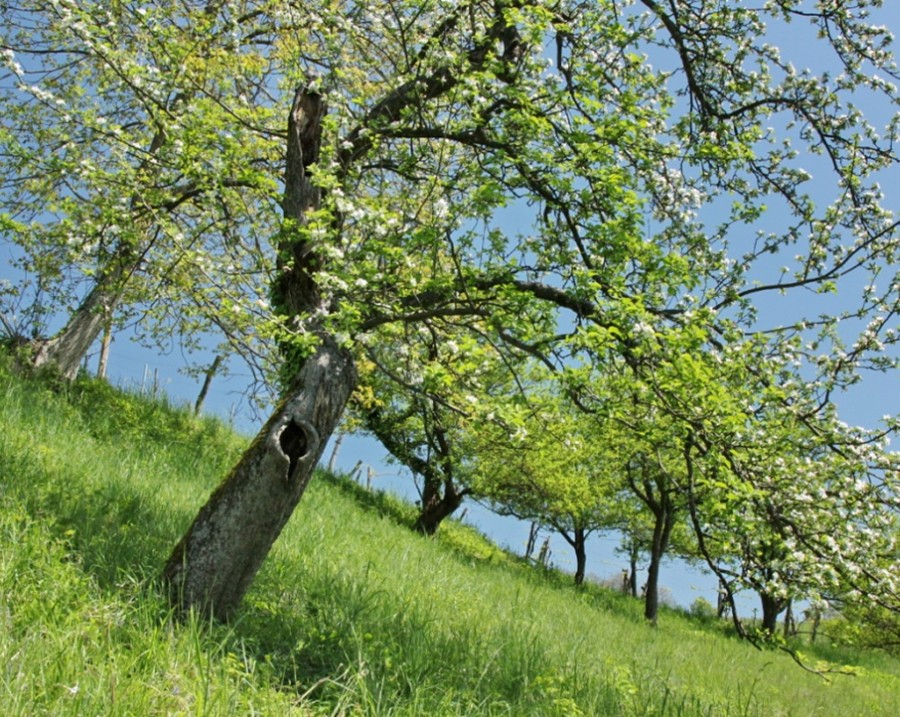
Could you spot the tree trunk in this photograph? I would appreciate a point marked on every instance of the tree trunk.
(215, 562)
(722, 599)
(441, 496)
(436, 505)
(817, 618)
(632, 575)
(651, 589)
(771, 609)
(662, 529)
(579, 545)
(66, 350)
(543, 557)
(213, 565)
(533, 531)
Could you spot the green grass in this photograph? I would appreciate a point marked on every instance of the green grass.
(352, 614)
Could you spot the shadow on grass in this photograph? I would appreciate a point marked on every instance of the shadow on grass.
(115, 529)
(339, 637)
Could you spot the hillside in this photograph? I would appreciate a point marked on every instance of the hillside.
(352, 614)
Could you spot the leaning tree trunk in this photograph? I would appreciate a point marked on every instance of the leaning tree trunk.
(67, 349)
(214, 564)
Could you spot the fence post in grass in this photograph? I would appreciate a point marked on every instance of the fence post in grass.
(334, 452)
(544, 555)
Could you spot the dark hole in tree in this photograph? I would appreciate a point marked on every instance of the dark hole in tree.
(293, 443)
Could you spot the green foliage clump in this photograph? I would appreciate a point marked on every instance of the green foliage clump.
(471, 543)
(703, 610)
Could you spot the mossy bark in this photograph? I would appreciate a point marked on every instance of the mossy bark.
(214, 564)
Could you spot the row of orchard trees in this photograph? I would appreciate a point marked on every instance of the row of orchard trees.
(774, 499)
(527, 242)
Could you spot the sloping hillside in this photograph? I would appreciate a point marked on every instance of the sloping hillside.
(353, 614)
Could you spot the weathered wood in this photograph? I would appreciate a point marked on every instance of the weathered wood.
(214, 564)
(66, 350)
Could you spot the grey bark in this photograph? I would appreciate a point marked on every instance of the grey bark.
(334, 453)
(214, 564)
(66, 350)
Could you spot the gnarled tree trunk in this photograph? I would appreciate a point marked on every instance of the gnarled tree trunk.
(214, 564)
(437, 504)
(441, 495)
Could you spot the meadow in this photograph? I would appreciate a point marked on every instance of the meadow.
(352, 614)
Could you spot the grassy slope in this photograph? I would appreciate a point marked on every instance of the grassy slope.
(352, 613)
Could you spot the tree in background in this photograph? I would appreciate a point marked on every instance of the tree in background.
(540, 461)
(138, 169)
(424, 391)
(802, 509)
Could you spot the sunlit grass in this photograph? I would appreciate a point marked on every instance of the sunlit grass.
(352, 614)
